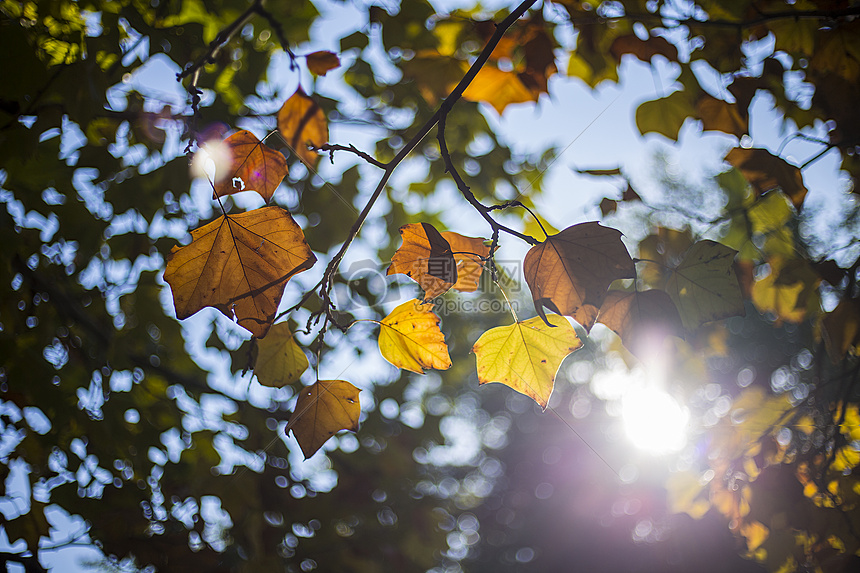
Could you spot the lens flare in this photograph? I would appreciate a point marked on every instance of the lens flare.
(654, 421)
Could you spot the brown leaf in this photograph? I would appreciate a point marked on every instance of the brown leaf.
(719, 115)
(570, 272)
(321, 410)
(469, 253)
(322, 62)
(766, 171)
(240, 265)
(643, 49)
(642, 319)
(259, 167)
(425, 257)
(608, 206)
(302, 124)
(630, 194)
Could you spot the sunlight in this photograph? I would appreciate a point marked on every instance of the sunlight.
(654, 421)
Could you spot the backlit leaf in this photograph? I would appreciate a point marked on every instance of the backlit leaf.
(704, 286)
(570, 272)
(469, 252)
(526, 355)
(643, 49)
(322, 62)
(321, 410)
(789, 291)
(641, 319)
(410, 338)
(498, 88)
(766, 172)
(240, 265)
(425, 257)
(302, 123)
(720, 115)
(665, 115)
(259, 167)
(280, 361)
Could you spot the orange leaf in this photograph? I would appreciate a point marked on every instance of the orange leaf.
(425, 257)
(321, 410)
(259, 167)
(410, 338)
(302, 124)
(766, 171)
(498, 88)
(240, 265)
(570, 272)
(719, 115)
(322, 62)
(469, 253)
(641, 319)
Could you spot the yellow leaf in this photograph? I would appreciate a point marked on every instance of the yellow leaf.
(787, 291)
(259, 167)
(410, 338)
(425, 257)
(498, 88)
(469, 253)
(302, 124)
(570, 272)
(280, 361)
(685, 493)
(240, 265)
(321, 410)
(526, 355)
(755, 534)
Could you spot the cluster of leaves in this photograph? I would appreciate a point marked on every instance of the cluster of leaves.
(87, 344)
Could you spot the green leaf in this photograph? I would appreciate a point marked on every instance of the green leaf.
(704, 286)
(280, 361)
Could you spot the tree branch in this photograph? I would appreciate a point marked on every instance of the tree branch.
(323, 287)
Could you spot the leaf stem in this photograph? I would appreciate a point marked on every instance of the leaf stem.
(507, 300)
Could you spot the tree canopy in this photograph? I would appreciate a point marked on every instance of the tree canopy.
(237, 323)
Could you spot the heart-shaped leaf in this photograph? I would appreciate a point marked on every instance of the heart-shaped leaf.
(280, 361)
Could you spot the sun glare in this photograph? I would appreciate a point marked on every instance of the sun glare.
(654, 421)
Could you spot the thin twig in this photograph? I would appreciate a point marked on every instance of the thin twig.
(330, 148)
(323, 287)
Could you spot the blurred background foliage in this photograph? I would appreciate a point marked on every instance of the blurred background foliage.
(143, 437)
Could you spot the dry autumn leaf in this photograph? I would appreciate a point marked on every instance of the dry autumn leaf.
(526, 355)
(321, 410)
(469, 253)
(410, 338)
(425, 257)
(498, 88)
(322, 62)
(240, 265)
(704, 286)
(766, 171)
(258, 167)
(302, 123)
(570, 272)
(280, 361)
(641, 319)
(643, 49)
